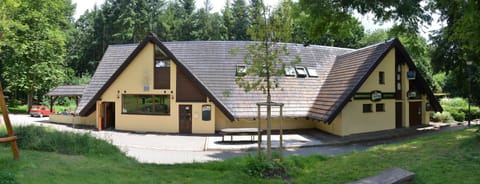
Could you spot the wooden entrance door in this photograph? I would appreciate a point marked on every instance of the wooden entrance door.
(109, 115)
(398, 115)
(185, 119)
(415, 113)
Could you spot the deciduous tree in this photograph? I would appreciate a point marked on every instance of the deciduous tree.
(264, 60)
(33, 53)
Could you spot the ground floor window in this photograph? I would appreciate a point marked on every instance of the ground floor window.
(367, 107)
(380, 107)
(146, 104)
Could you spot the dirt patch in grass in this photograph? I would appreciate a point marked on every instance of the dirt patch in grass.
(277, 172)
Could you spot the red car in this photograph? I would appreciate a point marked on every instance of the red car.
(40, 111)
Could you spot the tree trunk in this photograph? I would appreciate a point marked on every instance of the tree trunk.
(29, 101)
(269, 127)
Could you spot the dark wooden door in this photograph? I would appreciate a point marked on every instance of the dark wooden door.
(415, 113)
(185, 119)
(398, 115)
(109, 115)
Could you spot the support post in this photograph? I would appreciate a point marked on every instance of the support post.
(259, 139)
(99, 116)
(469, 98)
(52, 102)
(281, 132)
(469, 65)
(11, 136)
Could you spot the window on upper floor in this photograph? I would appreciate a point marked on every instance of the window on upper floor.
(290, 71)
(241, 70)
(301, 71)
(162, 63)
(381, 77)
(312, 72)
(161, 71)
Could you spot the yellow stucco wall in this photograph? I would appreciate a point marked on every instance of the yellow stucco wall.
(132, 81)
(354, 120)
(334, 128)
(288, 123)
(89, 120)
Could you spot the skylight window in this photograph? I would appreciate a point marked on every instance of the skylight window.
(241, 70)
(301, 72)
(312, 72)
(290, 71)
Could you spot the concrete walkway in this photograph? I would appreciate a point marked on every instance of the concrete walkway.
(172, 149)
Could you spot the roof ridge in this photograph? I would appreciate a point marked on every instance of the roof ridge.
(389, 41)
(249, 41)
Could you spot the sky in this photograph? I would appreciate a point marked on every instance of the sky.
(367, 20)
(217, 5)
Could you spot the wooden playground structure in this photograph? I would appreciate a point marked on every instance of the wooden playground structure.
(11, 138)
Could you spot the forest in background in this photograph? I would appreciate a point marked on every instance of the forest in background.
(42, 45)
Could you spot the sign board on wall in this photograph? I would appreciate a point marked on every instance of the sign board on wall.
(411, 75)
(412, 94)
(376, 95)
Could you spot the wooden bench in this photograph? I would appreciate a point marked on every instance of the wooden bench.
(389, 176)
(239, 131)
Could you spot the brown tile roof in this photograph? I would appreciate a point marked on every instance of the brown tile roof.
(68, 90)
(210, 63)
(213, 64)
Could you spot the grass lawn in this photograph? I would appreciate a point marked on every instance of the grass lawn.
(452, 157)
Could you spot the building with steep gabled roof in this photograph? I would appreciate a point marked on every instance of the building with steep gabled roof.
(189, 87)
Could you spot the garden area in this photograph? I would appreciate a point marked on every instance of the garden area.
(455, 110)
(49, 156)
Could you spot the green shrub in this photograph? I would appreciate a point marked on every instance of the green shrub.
(264, 168)
(7, 178)
(458, 116)
(454, 102)
(47, 139)
(444, 116)
(458, 108)
(19, 109)
(474, 110)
